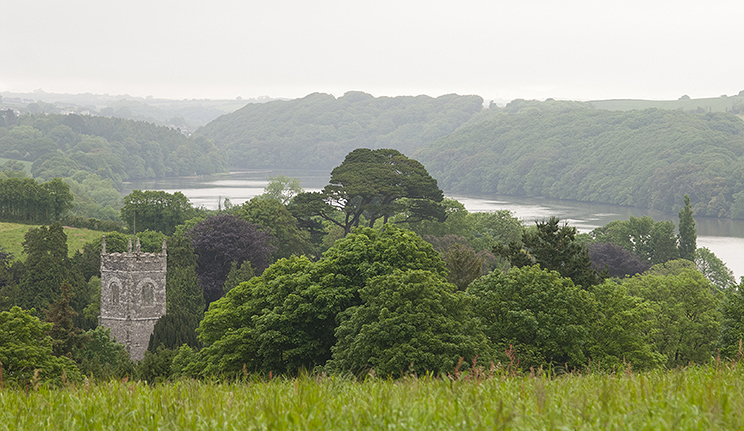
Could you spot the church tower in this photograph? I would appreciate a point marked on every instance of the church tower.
(132, 295)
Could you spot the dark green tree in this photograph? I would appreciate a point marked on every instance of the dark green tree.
(239, 274)
(102, 357)
(408, 321)
(174, 330)
(687, 232)
(369, 184)
(47, 267)
(555, 248)
(463, 264)
(66, 337)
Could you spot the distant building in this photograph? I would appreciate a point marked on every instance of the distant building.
(132, 295)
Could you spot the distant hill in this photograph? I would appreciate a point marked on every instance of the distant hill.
(185, 115)
(568, 150)
(317, 131)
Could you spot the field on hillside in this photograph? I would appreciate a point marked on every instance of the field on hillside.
(708, 397)
(12, 234)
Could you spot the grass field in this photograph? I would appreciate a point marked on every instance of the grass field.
(712, 104)
(708, 397)
(12, 235)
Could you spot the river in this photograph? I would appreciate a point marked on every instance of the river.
(724, 237)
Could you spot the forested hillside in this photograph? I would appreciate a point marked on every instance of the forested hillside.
(317, 131)
(95, 154)
(567, 150)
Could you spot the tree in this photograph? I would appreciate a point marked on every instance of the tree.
(65, 336)
(222, 239)
(155, 210)
(26, 351)
(238, 274)
(47, 268)
(282, 189)
(463, 264)
(408, 321)
(617, 261)
(370, 183)
(714, 269)
(687, 232)
(174, 330)
(102, 357)
(285, 319)
(554, 248)
(652, 241)
(621, 334)
(686, 315)
(545, 317)
(271, 215)
(732, 323)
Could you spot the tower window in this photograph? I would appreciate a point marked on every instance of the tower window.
(148, 294)
(115, 294)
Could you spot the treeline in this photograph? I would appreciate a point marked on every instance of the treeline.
(567, 150)
(94, 155)
(315, 132)
(292, 281)
(23, 200)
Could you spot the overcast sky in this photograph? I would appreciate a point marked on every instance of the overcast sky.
(180, 49)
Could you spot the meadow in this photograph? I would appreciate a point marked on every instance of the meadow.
(12, 236)
(699, 397)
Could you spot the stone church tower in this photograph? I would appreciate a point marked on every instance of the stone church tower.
(132, 295)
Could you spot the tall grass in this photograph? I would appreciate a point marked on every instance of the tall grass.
(708, 397)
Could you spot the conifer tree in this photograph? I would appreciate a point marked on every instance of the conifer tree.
(687, 232)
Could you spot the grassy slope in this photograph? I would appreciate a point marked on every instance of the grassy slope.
(12, 234)
(707, 397)
(711, 104)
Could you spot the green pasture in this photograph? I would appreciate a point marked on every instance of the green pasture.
(707, 397)
(12, 235)
(710, 104)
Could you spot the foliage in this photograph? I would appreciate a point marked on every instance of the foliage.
(238, 274)
(687, 314)
(65, 336)
(371, 184)
(687, 232)
(23, 200)
(545, 317)
(565, 150)
(282, 188)
(222, 239)
(101, 357)
(554, 248)
(463, 265)
(26, 351)
(408, 322)
(174, 330)
(285, 319)
(652, 241)
(155, 367)
(617, 261)
(315, 132)
(621, 335)
(47, 268)
(714, 269)
(273, 216)
(156, 210)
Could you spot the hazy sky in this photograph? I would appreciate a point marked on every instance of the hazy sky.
(590, 49)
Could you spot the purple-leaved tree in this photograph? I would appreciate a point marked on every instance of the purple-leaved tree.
(221, 240)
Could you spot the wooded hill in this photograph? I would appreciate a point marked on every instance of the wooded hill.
(568, 150)
(317, 131)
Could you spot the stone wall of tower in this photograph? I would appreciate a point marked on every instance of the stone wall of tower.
(132, 295)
